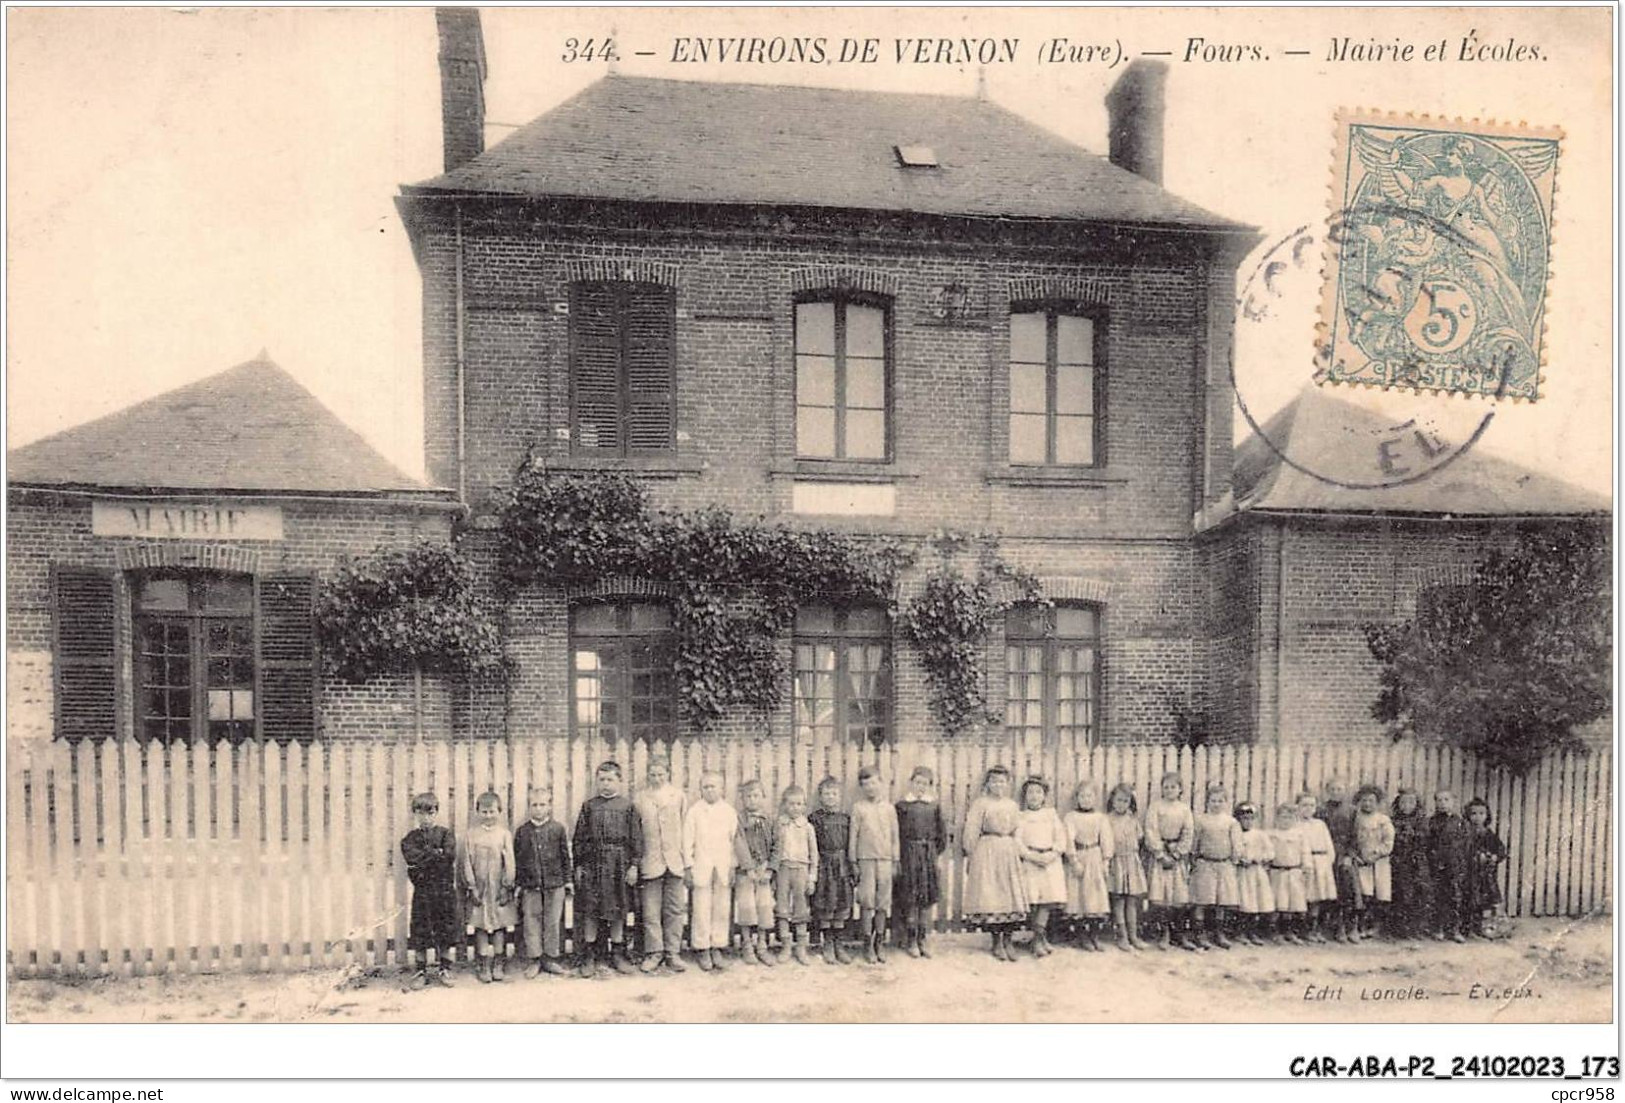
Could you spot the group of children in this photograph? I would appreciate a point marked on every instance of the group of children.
(1329, 869)
(1332, 868)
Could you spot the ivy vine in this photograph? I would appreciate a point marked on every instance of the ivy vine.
(733, 585)
(406, 610)
(949, 622)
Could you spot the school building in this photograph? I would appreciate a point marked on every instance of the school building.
(162, 563)
(872, 313)
(897, 314)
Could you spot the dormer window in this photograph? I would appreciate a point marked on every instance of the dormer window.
(917, 157)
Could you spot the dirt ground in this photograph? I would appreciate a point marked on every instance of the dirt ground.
(1545, 971)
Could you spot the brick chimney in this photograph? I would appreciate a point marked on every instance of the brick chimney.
(1135, 106)
(462, 84)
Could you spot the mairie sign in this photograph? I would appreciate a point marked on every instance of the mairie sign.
(185, 520)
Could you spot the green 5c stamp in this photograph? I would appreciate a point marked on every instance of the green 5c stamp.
(1439, 257)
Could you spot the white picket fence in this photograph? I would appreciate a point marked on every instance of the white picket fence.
(131, 859)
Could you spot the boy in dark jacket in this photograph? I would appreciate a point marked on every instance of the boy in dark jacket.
(1450, 856)
(541, 853)
(607, 847)
(430, 851)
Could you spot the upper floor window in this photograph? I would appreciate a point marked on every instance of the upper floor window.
(1052, 674)
(194, 657)
(843, 379)
(622, 681)
(623, 354)
(843, 674)
(1056, 394)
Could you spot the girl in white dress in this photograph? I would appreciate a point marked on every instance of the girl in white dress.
(1287, 873)
(1170, 831)
(1042, 838)
(1089, 834)
(1125, 872)
(1319, 871)
(1215, 891)
(995, 891)
(488, 873)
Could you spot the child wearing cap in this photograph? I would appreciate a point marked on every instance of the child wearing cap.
(1253, 857)
(430, 851)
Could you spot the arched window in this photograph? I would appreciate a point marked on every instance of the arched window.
(194, 656)
(1052, 673)
(843, 674)
(622, 683)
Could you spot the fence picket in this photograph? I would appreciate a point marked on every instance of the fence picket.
(49, 901)
(400, 816)
(276, 896)
(1565, 841)
(1605, 867)
(301, 951)
(86, 956)
(20, 933)
(1553, 824)
(374, 864)
(1596, 809)
(1538, 809)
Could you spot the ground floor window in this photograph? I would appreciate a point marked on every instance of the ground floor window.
(622, 683)
(194, 656)
(843, 674)
(1052, 673)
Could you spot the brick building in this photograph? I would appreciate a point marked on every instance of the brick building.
(897, 314)
(1338, 538)
(878, 313)
(162, 562)
(873, 313)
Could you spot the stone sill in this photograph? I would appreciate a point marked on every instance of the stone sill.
(842, 471)
(1088, 478)
(657, 467)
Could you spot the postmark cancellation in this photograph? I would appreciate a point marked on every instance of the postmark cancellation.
(1439, 259)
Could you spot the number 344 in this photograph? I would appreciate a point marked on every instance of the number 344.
(589, 49)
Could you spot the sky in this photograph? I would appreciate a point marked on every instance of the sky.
(187, 188)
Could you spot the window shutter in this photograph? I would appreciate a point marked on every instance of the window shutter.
(285, 629)
(1101, 388)
(651, 346)
(83, 616)
(595, 367)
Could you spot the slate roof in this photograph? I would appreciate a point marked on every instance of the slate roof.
(1330, 441)
(249, 428)
(646, 139)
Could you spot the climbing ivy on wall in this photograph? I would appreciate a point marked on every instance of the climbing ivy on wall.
(406, 610)
(733, 585)
(949, 622)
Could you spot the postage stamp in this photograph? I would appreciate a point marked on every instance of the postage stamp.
(1440, 255)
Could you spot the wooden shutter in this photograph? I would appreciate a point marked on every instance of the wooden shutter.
(595, 368)
(651, 340)
(285, 630)
(83, 620)
(1101, 321)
